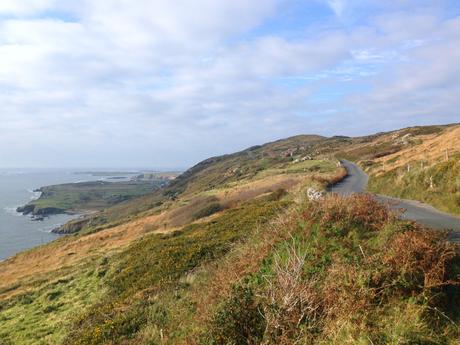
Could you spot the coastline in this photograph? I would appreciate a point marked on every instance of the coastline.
(19, 233)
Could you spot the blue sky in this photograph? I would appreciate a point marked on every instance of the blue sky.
(118, 83)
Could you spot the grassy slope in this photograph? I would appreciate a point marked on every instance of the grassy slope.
(39, 316)
(218, 173)
(111, 232)
(402, 164)
(445, 176)
(173, 268)
(332, 272)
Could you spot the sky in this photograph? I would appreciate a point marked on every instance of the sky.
(167, 83)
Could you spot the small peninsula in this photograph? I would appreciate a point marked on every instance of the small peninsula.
(82, 197)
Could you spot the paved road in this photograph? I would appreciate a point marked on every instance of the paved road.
(356, 182)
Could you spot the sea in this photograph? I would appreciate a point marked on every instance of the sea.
(18, 232)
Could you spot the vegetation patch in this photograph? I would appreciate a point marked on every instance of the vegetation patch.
(39, 317)
(438, 185)
(351, 273)
(156, 264)
(94, 195)
(341, 270)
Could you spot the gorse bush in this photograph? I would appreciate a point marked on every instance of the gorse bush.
(207, 210)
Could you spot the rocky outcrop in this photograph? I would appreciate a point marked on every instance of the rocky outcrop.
(314, 195)
(33, 210)
(71, 227)
(27, 209)
(46, 211)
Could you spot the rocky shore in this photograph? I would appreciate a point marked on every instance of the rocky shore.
(34, 210)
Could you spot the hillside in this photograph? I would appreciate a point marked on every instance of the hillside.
(233, 252)
(420, 163)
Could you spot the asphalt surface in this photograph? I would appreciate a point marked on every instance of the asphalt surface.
(356, 182)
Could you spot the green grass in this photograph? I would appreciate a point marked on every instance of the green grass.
(305, 167)
(339, 271)
(40, 317)
(445, 194)
(156, 264)
(90, 195)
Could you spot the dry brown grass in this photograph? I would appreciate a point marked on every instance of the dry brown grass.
(182, 212)
(359, 209)
(432, 149)
(289, 300)
(253, 189)
(423, 257)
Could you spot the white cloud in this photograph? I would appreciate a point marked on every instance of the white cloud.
(338, 6)
(22, 7)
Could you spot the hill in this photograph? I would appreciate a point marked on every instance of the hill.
(234, 252)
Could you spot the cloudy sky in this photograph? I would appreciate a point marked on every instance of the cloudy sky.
(166, 83)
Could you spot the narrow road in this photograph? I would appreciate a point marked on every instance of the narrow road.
(356, 182)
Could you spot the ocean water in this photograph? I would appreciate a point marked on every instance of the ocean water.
(18, 232)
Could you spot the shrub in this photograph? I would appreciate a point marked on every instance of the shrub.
(419, 259)
(197, 207)
(238, 320)
(154, 265)
(357, 210)
(207, 211)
